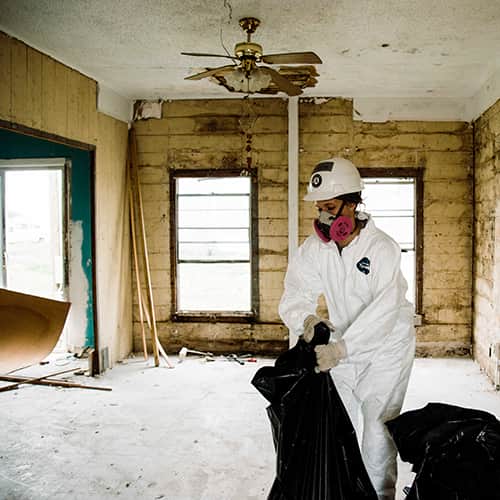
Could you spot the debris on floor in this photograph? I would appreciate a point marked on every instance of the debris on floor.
(34, 377)
(185, 351)
(241, 359)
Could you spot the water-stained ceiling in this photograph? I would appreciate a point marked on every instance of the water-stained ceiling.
(389, 49)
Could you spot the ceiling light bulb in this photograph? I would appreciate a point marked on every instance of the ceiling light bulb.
(237, 80)
(256, 81)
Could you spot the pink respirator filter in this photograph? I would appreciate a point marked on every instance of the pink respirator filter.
(340, 229)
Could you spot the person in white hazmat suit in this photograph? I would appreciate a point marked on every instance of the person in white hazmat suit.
(356, 266)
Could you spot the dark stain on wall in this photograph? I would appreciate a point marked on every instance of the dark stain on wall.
(214, 124)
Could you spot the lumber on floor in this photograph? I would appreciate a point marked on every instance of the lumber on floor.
(53, 382)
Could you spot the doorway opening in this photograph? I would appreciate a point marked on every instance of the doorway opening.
(33, 229)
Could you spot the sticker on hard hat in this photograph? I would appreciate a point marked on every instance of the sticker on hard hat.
(324, 166)
(316, 180)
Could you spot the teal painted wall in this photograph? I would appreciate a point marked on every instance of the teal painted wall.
(15, 145)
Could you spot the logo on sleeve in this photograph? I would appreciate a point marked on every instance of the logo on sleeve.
(364, 265)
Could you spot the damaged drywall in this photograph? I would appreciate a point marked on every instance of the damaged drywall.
(487, 241)
(77, 330)
(52, 99)
(442, 150)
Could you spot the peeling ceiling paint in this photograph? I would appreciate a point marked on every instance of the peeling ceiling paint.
(392, 49)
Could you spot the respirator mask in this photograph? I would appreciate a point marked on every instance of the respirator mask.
(333, 227)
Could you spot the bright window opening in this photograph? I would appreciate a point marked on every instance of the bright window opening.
(213, 244)
(391, 202)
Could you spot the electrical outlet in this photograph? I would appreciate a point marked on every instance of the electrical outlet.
(496, 350)
(103, 359)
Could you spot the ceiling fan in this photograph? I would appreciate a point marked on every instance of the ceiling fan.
(245, 75)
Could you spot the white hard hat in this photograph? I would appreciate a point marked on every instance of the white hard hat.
(332, 178)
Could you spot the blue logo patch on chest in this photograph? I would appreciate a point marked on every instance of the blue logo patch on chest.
(364, 265)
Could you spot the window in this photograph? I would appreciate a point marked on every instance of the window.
(214, 233)
(391, 198)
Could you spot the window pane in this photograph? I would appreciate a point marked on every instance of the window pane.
(213, 202)
(214, 219)
(213, 224)
(214, 287)
(391, 202)
(399, 228)
(389, 195)
(408, 270)
(214, 251)
(213, 185)
(389, 212)
(213, 235)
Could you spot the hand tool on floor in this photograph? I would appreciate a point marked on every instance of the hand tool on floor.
(185, 351)
(233, 357)
(249, 358)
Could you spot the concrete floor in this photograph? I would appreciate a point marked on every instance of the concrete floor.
(195, 432)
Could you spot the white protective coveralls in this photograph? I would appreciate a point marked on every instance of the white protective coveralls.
(365, 294)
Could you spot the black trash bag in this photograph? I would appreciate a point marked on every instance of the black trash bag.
(318, 457)
(455, 452)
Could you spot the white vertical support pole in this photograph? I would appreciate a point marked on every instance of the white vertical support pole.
(293, 176)
(293, 184)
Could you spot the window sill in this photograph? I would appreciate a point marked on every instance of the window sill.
(215, 317)
(418, 319)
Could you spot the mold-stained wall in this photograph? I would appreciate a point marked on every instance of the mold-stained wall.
(212, 134)
(443, 150)
(219, 134)
(487, 237)
(38, 92)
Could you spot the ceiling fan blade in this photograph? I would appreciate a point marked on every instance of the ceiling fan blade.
(292, 58)
(281, 82)
(206, 55)
(210, 72)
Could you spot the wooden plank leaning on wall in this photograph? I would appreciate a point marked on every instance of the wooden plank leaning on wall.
(137, 219)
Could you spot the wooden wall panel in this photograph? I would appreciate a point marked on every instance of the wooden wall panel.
(39, 92)
(34, 88)
(487, 238)
(19, 73)
(443, 150)
(6, 79)
(200, 134)
(218, 134)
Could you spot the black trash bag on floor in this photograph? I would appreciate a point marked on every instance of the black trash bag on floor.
(455, 452)
(318, 457)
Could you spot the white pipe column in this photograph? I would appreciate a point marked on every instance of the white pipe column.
(293, 176)
(293, 184)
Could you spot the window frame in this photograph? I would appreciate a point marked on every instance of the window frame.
(418, 175)
(216, 316)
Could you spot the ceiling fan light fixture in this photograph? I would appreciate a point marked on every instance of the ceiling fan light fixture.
(255, 81)
(245, 75)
